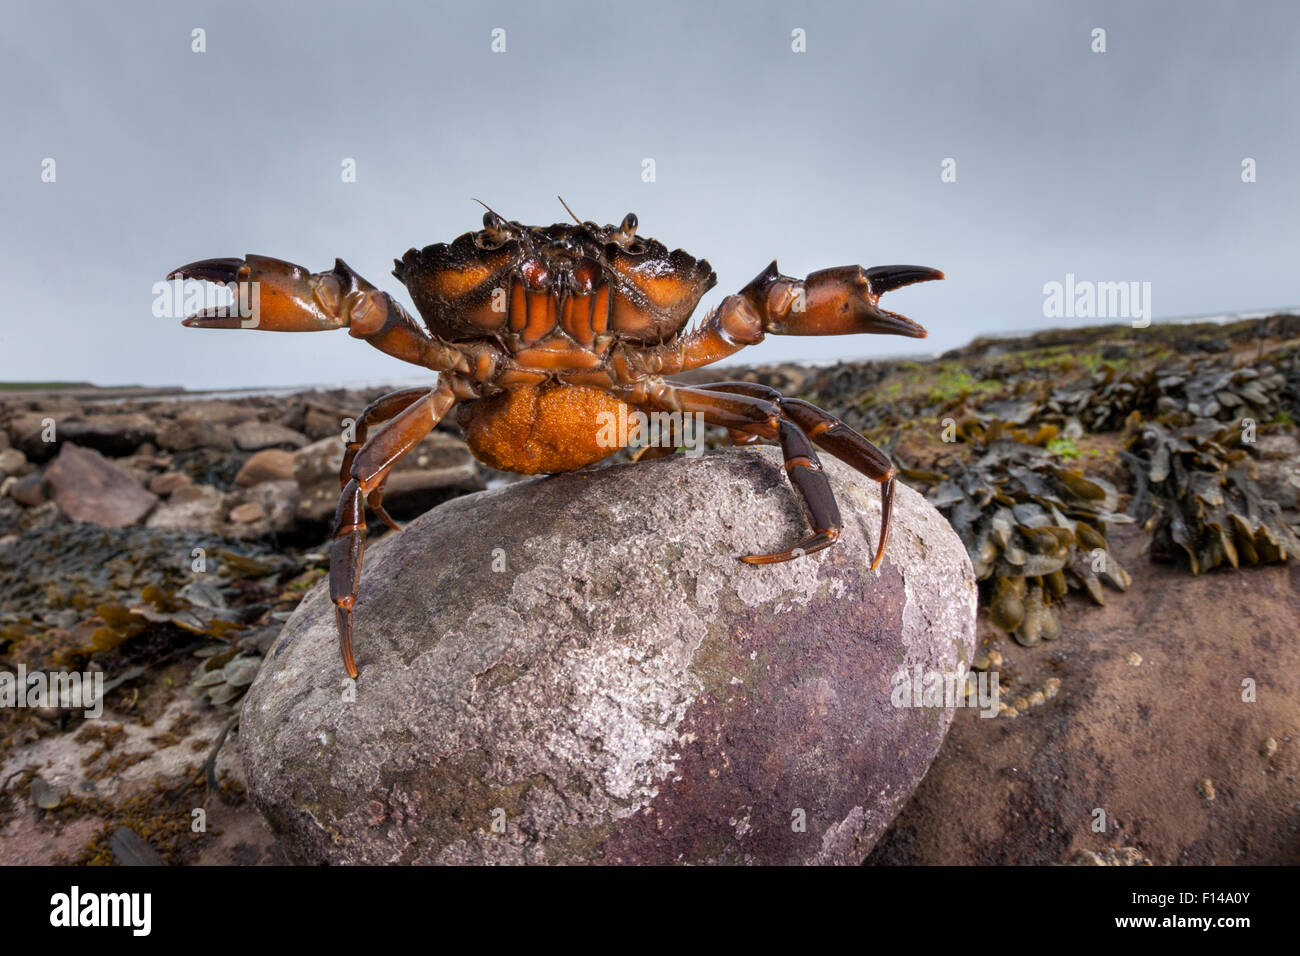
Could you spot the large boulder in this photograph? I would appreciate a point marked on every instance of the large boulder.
(577, 669)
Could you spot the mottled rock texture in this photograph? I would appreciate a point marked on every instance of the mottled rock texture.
(1153, 701)
(578, 669)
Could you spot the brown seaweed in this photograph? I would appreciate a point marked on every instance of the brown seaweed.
(1204, 506)
(1034, 528)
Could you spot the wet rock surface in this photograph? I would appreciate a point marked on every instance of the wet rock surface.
(621, 688)
(1174, 710)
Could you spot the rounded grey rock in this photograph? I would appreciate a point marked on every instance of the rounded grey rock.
(577, 669)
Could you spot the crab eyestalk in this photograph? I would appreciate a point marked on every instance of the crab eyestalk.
(840, 301)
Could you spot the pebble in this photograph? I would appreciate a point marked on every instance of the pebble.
(168, 482)
(44, 795)
(254, 436)
(188, 493)
(28, 490)
(270, 464)
(247, 513)
(12, 462)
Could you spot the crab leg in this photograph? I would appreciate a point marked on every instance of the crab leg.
(369, 468)
(664, 450)
(283, 297)
(834, 436)
(757, 416)
(804, 470)
(380, 410)
(840, 301)
(667, 446)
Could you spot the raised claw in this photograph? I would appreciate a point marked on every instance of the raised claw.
(882, 279)
(277, 296)
(839, 301)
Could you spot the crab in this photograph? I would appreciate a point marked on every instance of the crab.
(537, 333)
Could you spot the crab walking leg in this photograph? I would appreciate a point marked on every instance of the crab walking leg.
(804, 470)
(283, 297)
(369, 468)
(662, 450)
(840, 301)
(380, 410)
(837, 438)
(757, 416)
(667, 444)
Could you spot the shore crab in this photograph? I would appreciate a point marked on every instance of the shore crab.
(537, 332)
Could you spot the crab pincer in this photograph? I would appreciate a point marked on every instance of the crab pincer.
(840, 301)
(277, 296)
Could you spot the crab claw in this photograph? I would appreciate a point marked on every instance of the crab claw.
(839, 301)
(278, 296)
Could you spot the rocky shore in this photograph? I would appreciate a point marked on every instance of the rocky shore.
(162, 542)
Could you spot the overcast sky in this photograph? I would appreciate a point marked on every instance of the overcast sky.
(1116, 166)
